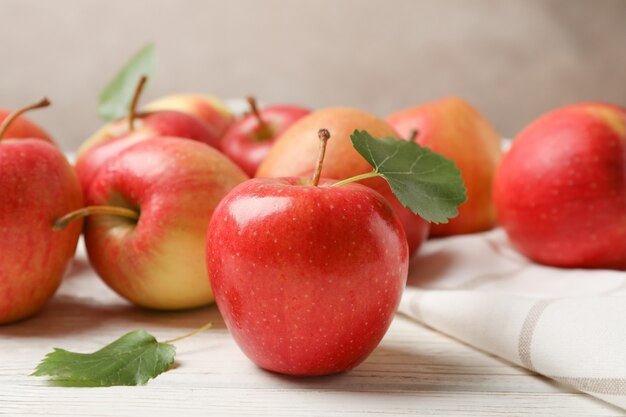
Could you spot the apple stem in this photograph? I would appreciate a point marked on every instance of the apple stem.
(132, 112)
(64, 221)
(356, 178)
(323, 135)
(413, 134)
(264, 131)
(192, 333)
(44, 102)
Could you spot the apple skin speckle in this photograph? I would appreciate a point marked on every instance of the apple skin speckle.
(321, 312)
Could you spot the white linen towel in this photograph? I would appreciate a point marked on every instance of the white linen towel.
(567, 324)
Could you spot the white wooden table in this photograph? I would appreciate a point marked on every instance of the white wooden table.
(415, 371)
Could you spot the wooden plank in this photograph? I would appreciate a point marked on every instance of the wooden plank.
(415, 371)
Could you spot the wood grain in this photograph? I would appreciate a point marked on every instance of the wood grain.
(415, 371)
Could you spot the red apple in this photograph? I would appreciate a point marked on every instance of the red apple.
(249, 140)
(560, 191)
(120, 134)
(156, 257)
(21, 128)
(306, 277)
(293, 154)
(38, 186)
(209, 109)
(455, 129)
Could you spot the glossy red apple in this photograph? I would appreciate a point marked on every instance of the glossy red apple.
(294, 155)
(37, 186)
(155, 256)
(249, 139)
(560, 191)
(454, 128)
(212, 111)
(307, 276)
(120, 134)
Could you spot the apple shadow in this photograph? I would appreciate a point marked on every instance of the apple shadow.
(66, 314)
(389, 370)
(396, 370)
(427, 269)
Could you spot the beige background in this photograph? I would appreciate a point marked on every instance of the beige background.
(514, 60)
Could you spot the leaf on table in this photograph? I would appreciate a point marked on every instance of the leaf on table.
(424, 181)
(116, 97)
(130, 360)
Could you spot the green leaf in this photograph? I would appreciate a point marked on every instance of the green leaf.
(424, 181)
(130, 360)
(116, 97)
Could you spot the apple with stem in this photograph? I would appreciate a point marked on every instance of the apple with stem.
(148, 210)
(560, 191)
(294, 155)
(308, 273)
(285, 254)
(249, 139)
(38, 185)
(454, 128)
(120, 134)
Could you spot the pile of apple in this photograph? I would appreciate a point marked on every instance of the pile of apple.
(307, 277)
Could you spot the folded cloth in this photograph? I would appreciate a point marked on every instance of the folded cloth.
(567, 324)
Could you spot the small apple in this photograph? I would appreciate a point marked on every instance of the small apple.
(120, 134)
(455, 129)
(21, 128)
(37, 185)
(306, 276)
(209, 109)
(249, 139)
(560, 191)
(294, 155)
(149, 208)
